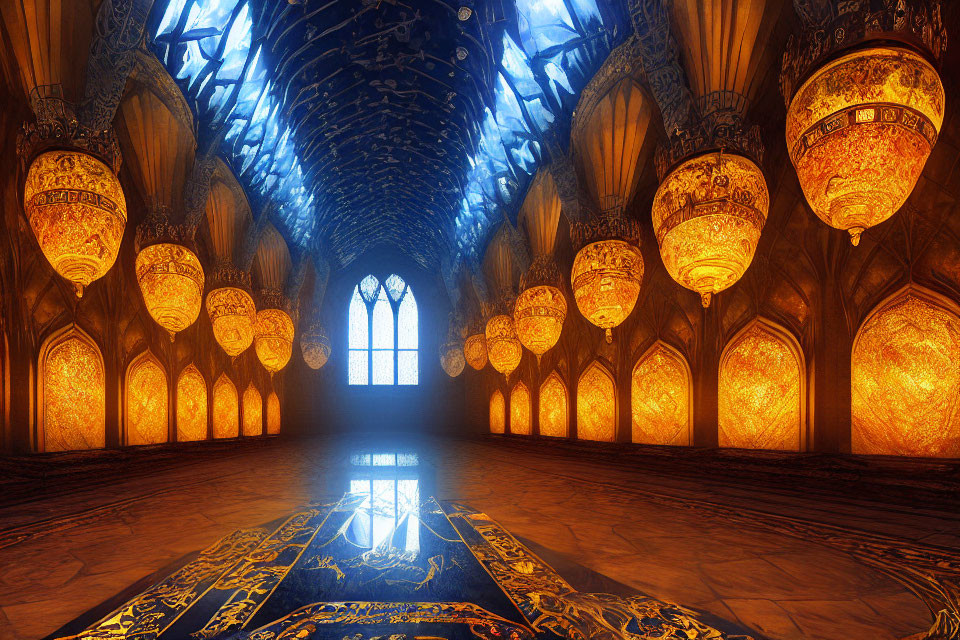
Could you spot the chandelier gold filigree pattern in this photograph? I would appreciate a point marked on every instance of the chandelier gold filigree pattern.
(233, 316)
(660, 398)
(452, 358)
(553, 407)
(707, 215)
(191, 406)
(273, 414)
(171, 281)
(859, 132)
(74, 396)
(520, 410)
(905, 380)
(760, 392)
(475, 351)
(538, 317)
(503, 346)
(252, 412)
(146, 395)
(77, 212)
(315, 346)
(596, 405)
(273, 339)
(226, 409)
(606, 279)
(498, 410)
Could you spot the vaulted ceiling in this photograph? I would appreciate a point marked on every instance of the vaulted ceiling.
(411, 124)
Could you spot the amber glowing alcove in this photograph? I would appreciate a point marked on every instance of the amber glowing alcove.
(661, 397)
(520, 410)
(226, 409)
(146, 392)
(553, 407)
(273, 414)
(761, 390)
(905, 379)
(191, 406)
(72, 398)
(252, 412)
(497, 412)
(596, 405)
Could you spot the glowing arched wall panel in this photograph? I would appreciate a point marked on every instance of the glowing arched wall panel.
(596, 406)
(520, 410)
(660, 398)
(761, 381)
(252, 412)
(497, 413)
(191, 406)
(273, 414)
(146, 395)
(906, 381)
(74, 400)
(226, 409)
(553, 407)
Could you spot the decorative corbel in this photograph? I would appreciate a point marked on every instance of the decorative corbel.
(573, 203)
(197, 189)
(519, 245)
(119, 32)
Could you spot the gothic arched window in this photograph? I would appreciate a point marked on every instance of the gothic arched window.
(383, 335)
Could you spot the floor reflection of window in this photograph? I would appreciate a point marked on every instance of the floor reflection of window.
(389, 513)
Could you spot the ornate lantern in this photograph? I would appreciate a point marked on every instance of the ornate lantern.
(708, 214)
(77, 212)
(475, 350)
(503, 345)
(541, 307)
(608, 271)
(232, 311)
(169, 274)
(315, 345)
(860, 128)
(451, 351)
(273, 334)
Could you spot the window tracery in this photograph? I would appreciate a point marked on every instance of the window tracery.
(191, 406)
(596, 405)
(383, 333)
(252, 412)
(553, 407)
(497, 413)
(660, 393)
(72, 393)
(520, 410)
(226, 409)
(146, 402)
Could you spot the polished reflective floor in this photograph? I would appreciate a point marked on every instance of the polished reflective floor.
(735, 557)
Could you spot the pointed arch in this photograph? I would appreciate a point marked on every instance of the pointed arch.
(252, 412)
(72, 392)
(597, 404)
(146, 401)
(661, 397)
(762, 390)
(191, 405)
(226, 408)
(497, 412)
(520, 410)
(383, 336)
(273, 414)
(905, 380)
(554, 413)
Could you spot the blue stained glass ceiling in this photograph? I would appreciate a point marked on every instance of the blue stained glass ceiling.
(360, 124)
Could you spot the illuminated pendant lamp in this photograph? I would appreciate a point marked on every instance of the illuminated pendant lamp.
(315, 345)
(161, 151)
(231, 309)
(169, 274)
(608, 136)
(475, 349)
(541, 308)
(452, 358)
(230, 306)
(867, 112)
(712, 203)
(273, 333)
(504, 349)
(72, 199)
